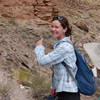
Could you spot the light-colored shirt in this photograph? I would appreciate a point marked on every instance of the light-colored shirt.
(63, 51)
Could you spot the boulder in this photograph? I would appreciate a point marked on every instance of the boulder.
(82, 25)
(93, 50)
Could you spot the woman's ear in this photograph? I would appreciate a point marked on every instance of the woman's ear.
(65, 30)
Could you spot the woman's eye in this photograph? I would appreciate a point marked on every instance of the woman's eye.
(56, 27)
(51, 26)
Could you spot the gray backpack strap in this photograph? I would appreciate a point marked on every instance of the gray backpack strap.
(66, 66)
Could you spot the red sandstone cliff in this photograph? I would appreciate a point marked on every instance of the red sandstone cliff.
(28, 9)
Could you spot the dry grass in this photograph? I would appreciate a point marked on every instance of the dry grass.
(92, 1)
(4, 89)
(82, 2)
(23, 76)
(39, 84)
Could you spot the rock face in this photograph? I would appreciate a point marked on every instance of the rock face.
(44, 9)
(27, 9)
(16, 52)
(93, 49)
(82, 26)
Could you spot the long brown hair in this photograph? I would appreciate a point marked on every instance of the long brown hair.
(64, 23)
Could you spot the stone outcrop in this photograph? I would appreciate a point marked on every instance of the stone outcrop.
(44, 9)
(15, 53)
(82, 25)
(28, 9)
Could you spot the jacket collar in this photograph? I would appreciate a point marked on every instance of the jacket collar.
(64, 39)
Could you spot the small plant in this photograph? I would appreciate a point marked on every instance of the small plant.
(40, 86)
(38, 83)
(23, 76)
(4, 89)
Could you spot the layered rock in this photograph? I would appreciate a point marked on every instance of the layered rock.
(27, 9)
(44, 9)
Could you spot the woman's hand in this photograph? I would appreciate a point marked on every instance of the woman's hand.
(40, 42)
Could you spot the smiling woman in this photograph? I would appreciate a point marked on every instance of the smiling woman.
(60, 27)
(62, 83)
(57, 30)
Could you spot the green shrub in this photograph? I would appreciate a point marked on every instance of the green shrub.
(4, 89)
(23, 76)
(38, 83)
(40, 86)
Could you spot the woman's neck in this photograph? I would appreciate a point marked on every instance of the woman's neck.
(60, 38)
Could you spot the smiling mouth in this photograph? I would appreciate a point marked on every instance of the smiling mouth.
(55, 33)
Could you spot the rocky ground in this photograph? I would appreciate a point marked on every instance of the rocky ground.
(21, 28)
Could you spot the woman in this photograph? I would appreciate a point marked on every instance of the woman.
(62, 82)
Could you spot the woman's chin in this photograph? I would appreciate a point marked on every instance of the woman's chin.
(54, 36)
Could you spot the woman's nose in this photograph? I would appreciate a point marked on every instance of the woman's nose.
(53, 29)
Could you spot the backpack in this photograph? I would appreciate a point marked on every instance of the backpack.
(84, 78)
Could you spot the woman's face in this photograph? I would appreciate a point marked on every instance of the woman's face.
(57, 30)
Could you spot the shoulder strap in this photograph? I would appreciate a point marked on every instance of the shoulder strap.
(66, 66)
